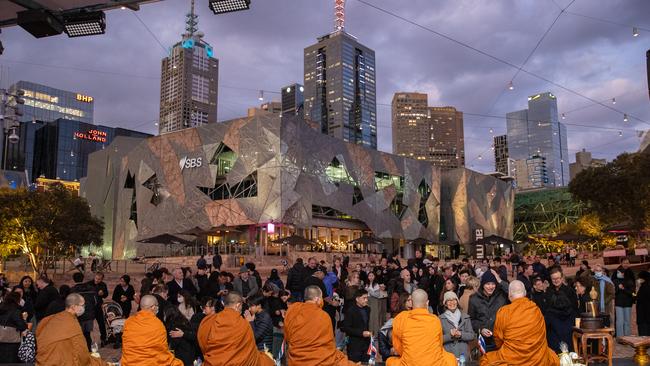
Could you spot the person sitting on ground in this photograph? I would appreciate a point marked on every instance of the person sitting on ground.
(417, 336)
(520, 333)
(356, 326)
(309, 334)
(226, 338)
(59, 338)
(145, 339)
(385, 335)
(245, 284)
(260, 322)
(182, 337)
(484, 304)
(456, 327)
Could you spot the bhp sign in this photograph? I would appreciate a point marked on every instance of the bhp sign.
(190, 163)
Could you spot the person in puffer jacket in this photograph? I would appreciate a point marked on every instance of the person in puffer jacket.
(385, 334)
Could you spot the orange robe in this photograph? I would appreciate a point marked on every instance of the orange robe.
(144, 342)
(59, 341)
(417, 338)
(520, 335)
(310, 338)
(226, 339)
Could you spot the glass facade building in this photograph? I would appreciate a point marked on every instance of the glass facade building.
(45, 103)
(293, 99)
(340, 89)
(536, 131)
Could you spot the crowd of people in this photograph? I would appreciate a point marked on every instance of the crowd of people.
(402, 311)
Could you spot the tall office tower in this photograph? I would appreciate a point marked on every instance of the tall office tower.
(293, 100)
(188, 83)
(531, 173)
(536, 131)
(427, 133)
(340, 85)
(501, 154)
(584, 161)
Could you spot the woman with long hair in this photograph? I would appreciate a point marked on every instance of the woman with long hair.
(377, 302)
(275, 279)
(181, 336)
(14, 324)
(186, 304)
(449, 286)
(385, 335)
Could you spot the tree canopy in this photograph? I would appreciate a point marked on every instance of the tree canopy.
(45, 225)
(618, 192)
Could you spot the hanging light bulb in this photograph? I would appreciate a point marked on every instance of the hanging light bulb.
(510, 85)
(620, 133)
(563, 116)
(491, 130)
(613, 100)
(261, 97)
(625, 119)
(492, 147)
(72, 154)
(635, 32)
(155, 123)
(480, 157)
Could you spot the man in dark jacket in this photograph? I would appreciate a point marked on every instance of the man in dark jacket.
(561, 311)
(217, 262)
(102, 292)
(47, 293)
(177, 284)
(294, 280)
(526, 277)
(356, 327)
(624, 282)
(484, 304)
(643, 304)
(91, 300)
(261, 322)
(539, 295)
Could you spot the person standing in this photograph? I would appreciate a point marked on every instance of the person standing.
(624, 298)
(294, 279)
(217, 262)
(356, 327)
(179, 283)
(201, 263)
(102, 292)
(643, 304)
(123, 295)
(606, 290)
(376, 302)
(87, 318)
(561, 311)
(13, 324)
(47, 294)
(79, 264)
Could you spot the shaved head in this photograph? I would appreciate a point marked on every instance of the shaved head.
(232, 300)
(516, 289)
(74, 299)
(420, 299)
(313, 292)
(148, 301)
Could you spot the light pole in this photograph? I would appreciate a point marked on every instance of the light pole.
(9, 123)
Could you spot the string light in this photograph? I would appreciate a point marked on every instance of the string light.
(491, 131)
(635, 32)
(480, 157)
(625, 119)
(613, 100)
(620, 133)
(261, 97)
(510, 85)
(563, 116)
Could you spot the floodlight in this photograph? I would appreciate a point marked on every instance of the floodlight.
(85, 24)
(228, 6)
(39, 22)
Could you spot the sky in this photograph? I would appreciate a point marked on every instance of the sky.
(589, 51)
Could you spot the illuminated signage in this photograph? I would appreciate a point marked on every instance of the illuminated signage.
(270, 228)
(92, 135)
(189, 163)
(84, 98)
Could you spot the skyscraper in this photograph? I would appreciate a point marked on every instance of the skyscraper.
(501, 154)
(536, 131)
(293, 99)
(427, 133)
(584, 161)
(340, 86)
(188, 83)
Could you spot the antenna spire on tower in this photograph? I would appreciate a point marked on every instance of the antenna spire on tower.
(192, 21)
(339, 15)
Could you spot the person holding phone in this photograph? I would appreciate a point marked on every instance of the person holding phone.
(484, 304)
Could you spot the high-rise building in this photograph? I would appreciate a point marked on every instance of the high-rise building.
(268, 107)
(531, 173)
(536, 131)
(293, 100)
(188, 83)
(584, 161)
(501, 154)
(427, 133)
(340, 90)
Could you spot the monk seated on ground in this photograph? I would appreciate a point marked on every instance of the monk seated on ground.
(144, 340)
(520, 333)
(226, 339)
(59, 338)
(309, 335)
(417, 336)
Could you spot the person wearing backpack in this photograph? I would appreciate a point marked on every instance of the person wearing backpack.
(87, 318)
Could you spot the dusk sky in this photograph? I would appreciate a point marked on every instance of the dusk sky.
(263, 49)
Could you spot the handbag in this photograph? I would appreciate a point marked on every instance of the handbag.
(27, 348)
(9, 334)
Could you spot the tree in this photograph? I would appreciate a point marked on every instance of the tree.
(45, 226)
(618, 192)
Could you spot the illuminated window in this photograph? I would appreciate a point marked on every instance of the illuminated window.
(383, 180)
(337, 173)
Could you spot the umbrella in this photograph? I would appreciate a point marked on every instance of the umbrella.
(293, 240)
(494, 240)
(166, 239)
(195, 231)
(419, 242)
(366, 240)
(571, 237)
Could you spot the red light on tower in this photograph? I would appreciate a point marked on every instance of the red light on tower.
(339, 13)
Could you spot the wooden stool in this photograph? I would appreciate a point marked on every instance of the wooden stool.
(582, 336)
(640, 345)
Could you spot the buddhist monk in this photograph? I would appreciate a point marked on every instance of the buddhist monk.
(227, 339)
(59, 338)
(309, 335)
(144, 341)
(417, 336)
(520, 333)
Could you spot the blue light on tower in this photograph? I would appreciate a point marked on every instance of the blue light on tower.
(209, 51)
(188, 43)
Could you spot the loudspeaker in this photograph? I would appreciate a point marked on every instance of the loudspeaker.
(40, 23)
